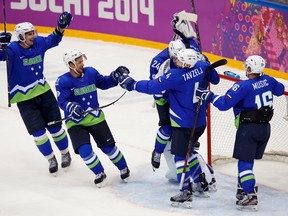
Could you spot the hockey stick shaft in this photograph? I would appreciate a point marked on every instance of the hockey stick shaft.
(190, 144)
(196, 25)
(87, 111)
(6, 51)
(286, 116)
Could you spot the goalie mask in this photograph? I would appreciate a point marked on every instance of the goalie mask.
(254, 65)
(188, 58)
(22, 28)
(174, 47)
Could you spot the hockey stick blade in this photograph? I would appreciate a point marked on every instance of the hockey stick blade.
(87, 111)
(183, 15)
(216, 64)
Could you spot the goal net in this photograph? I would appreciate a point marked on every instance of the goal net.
(222, 130)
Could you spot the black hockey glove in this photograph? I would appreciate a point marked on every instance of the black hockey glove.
(64, 20)
(75, 110)
(5, 38)
(121, 70)
(204, 94)
(126, 82)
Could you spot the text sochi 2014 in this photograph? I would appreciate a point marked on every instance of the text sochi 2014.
(121, 10)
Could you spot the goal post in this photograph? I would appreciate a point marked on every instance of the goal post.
(221, 130)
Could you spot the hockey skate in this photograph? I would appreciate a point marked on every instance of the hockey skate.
(66, 160)
(53, 165)
(183, 199)
(100, 179)
(212, 187)
(201, 188)
(124, 174)
(240, 192)
(249, 202)
(155, 160)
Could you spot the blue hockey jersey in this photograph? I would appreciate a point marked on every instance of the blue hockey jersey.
(181, 84)
(25, 67)
(249, 94)
(83, 91)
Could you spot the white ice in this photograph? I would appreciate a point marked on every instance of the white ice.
(27, 189)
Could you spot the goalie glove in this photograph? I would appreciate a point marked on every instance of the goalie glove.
(183, 26)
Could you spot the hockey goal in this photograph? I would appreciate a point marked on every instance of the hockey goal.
(221, 129)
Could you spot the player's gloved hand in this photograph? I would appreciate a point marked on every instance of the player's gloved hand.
(126, 82)
(75, 110)
(5, 38)
(204, 94)
(64, 20)
(121, 70)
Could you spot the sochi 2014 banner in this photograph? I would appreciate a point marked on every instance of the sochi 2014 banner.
(230, 28)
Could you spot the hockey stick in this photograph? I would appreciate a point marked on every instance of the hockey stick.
(6, 51)
(190, 144)
(182, 36)
(286, 116)
(196, 25)
(87, 111)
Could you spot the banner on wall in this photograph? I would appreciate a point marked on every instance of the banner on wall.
(232, 29)
(144, 19)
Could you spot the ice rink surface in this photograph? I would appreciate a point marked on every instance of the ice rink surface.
(27, 189)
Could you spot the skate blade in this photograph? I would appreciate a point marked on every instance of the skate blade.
(55, 174)
(201, 194)
(154, 169)
(187, 204)
(66, 169)
(173, 181)
(125, 180)
(212, 189)
(101, 184)
(252, 208)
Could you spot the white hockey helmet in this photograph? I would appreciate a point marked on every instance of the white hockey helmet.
(187, 57)
(22, 28)
(174, 47)
(254, 64)
(71, 56)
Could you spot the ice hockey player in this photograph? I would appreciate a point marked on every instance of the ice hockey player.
(252, 102)
(165, 130)
(77, 97)
(180, 85)
(29, 89)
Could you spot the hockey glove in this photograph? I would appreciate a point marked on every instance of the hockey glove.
(126, 82)
(75, 110)
(204, 94)
(64, 20)
(183, 26)
(5, 38)
(121, 70)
